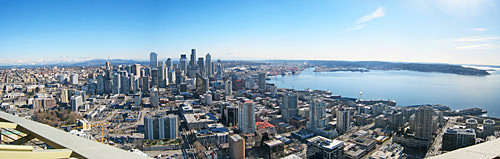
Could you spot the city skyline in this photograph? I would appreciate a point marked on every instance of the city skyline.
(455, 32)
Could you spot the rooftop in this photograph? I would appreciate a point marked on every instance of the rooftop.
(325, 143)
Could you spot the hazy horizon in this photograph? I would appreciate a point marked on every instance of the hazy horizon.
(440, 31)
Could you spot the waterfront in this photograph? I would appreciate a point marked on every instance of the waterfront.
(405, 87)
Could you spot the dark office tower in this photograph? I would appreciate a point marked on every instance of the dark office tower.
(125, 83)
(169, 64)
(162, 76)
(262, 81)
(183, 63)
(147, 72)
(179, 77)
(192, 61)
(201, 66)
(153, 60)
(116, 83)
(136, 70)
(423, 123)
(289, 106)
(100, 85)
(231, 115)
(201, 86)
(219, 68)
(145, 84)
(154, 78)
(108, 86)
(208, 65)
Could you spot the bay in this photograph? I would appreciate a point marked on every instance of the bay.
(405, 87)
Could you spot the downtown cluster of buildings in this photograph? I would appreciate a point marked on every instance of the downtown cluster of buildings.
(197, 108)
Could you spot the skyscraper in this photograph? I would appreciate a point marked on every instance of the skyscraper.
(289, 106)
(116, 83)
(153, 60)
(145, 84)
(125, 82)
(246, 115)
(108, 79)
(154, 78)
(169, 64)
(228, 87)
(423, 123)
(153, 98)
(162, 76)
(208, 65)
(136, 70)
(343, 120)
(183, 63)
(100, 85)
(201, 66)
(262, 81)
(317, 115)
(192, 60)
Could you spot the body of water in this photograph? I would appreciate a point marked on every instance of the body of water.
(405, 87)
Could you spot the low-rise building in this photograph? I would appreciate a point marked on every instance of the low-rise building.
(321, 147)
(454, 138)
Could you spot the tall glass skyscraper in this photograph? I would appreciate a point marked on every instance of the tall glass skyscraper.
(153, 60)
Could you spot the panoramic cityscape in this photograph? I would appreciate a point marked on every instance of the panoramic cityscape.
(109, 80)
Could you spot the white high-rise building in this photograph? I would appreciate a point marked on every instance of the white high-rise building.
(153, 60)
(488, 127)
(246, 117)
(76, 102)
(74, 79)
(116, 83)
(153, 97)
(343, 120)
(228, 86)
(161, 126)
(423, 123)
(317, 115)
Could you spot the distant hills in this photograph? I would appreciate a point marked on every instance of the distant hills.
(420, 67)
(373, 65)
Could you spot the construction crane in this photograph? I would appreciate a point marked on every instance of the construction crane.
(102, 130)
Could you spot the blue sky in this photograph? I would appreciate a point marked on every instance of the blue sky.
(444, 31)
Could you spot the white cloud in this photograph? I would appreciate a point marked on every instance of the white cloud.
(375, 14)
(485, 42)
(476, 39)
(361, 22)
(475, 46)
(357, 27)
(479, 29)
